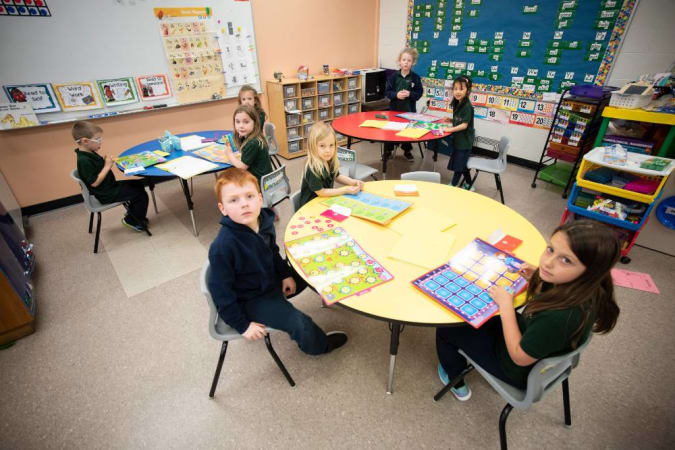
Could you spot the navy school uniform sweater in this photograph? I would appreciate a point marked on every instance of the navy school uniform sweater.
(245, 265)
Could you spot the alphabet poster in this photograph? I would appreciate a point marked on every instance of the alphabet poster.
(152, 87)
(117, 91)
(17, 115)
(77, 96)
(40, 96)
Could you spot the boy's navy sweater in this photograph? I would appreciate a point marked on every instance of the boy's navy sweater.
(391, 89)
(245, 265)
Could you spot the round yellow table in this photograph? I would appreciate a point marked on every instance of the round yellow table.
(398, 301)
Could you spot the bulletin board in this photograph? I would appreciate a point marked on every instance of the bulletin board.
(117, 56)
(518, 53)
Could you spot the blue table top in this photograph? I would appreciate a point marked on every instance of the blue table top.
(154, 145)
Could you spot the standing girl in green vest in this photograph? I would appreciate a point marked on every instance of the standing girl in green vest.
(569, 295)
(462, 130)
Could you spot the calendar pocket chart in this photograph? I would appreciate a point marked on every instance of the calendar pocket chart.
(461, 285)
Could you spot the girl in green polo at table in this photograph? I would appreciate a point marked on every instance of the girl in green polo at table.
(251, 143)
(569, 295)
(462, 129)
(322, 168)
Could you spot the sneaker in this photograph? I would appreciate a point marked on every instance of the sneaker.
(468, 187)
(462, 393)
(336, 339)
(409, 156)
(130, 225)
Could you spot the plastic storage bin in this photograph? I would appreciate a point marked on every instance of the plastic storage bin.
(306, 129)
(323, 87)
(353, 96)
(291, 90)
(307, 117)
(291, 104)
(308, 103)
(324, 101)
(338, 111)
(353, 108)
(352, 83)
(338, 85)
(324, 114)
(293, 146)
(292, 120)
(338, 99)
(293, 132)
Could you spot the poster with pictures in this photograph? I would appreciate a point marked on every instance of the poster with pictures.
(117, 91)
(17, 115)
(237, 55)
(77, 96)
(153, 87)
(40, 96)
(193, 54)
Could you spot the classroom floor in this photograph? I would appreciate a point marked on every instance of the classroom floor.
(121, 357)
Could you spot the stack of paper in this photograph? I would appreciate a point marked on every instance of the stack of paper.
(187, 166)
(421, 220)
(374, 123)
(413, 133)
(192, 142)
(395, 126)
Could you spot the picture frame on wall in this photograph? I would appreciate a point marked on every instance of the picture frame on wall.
(117, 91)
(40, 96)
(153, 87)
(77, 96)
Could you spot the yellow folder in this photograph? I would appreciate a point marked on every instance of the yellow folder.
(428, 249)
(374, 123)
(413, 133)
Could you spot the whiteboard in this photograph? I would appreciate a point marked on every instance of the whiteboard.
(104, 39)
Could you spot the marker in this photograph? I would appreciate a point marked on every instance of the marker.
(98, 116)
(159, 106)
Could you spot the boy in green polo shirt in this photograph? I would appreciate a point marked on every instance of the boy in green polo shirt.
(95, 171)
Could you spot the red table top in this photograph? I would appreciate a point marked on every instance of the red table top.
(349, 126)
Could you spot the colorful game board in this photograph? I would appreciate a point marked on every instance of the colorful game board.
(418, 117)
(142, 159)
(461, 284)
(336, 265)
(369, 206)
(216, 152)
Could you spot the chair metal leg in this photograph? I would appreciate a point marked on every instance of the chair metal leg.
(91, 221)
(268, 343)
(216, 376)
(499, 187)
(473, 180)
(452, 382)
(419, 145)
(502, 425)
(566, 402)
(98, 231)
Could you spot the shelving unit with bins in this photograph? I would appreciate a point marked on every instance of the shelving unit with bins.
(571, 136)
(628, 231)
(295, 105)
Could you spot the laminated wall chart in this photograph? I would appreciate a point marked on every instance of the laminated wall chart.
(515, 51)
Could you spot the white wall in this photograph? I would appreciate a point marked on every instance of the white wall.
(647, 47)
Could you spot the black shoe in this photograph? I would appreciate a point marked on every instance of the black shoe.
(336, 339)
(408, 155)
(386, 155)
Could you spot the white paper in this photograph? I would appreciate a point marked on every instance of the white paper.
(133, 169)
(343, 210)
(192, 142)
(553, 97)
(408, 188)
(395, 126)
(187, 166)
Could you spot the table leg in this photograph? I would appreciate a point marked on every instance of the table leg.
(393, 350)
(190, 205)
(384, 162)
(349, 142)
(151, 185)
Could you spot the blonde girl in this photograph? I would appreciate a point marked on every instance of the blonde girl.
(322, 168)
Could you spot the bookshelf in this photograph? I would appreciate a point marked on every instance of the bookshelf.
(295, 105)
